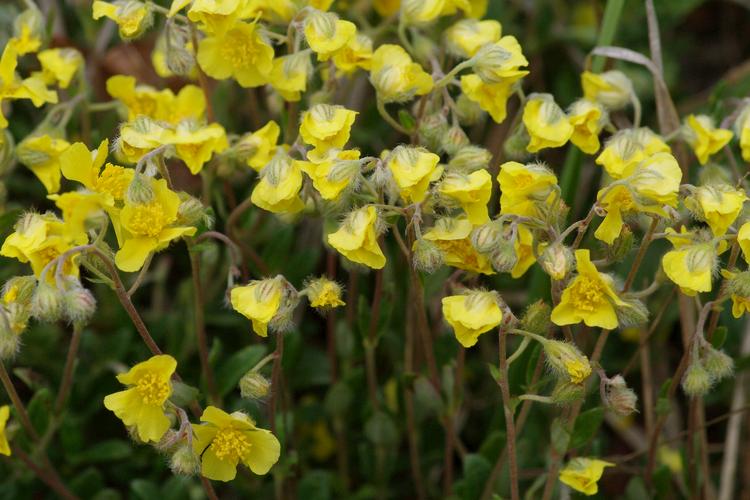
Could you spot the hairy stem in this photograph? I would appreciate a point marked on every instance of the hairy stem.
(510, 431)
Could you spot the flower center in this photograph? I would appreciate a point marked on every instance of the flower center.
(143, 105)
(152, 389)
(587, 294)
(113, 180)
(238, 49)
(148, 219)
(230, 444)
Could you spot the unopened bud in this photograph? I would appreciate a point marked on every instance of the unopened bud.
(470, 158)
(739, 284)
(504, 256)
(10, 342)
(19, 289)
(140, 191)
(556, 260)
(324, 294)
(432, 130)
(567, 392)
(79, 304)
(612, 89)
(192, 212)
(515, 144)
(696, 381)
(622, 246)
(46, 303)
(180, 60)
(620, 398)
(536, 318)
(253, 385)
(454, 140)
(632, 313)
(426, 256)
(717, 363)
(469, 112)
(184, 461)
(567, 361)
(486, 238)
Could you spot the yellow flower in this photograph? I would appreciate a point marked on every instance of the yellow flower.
(413, 169)
(79, 164)
(224, 440)
(240, 53)
(260, 145)
(357, 238)
(142, 404)
(216, 16)
(386, 8)
(326, 126)
(525, 189)
(690, 266)
(743, 239)
(590, 297)
(163, 105)
(611, 89)
(546, 123)
(583, 474)
(421, 11)
(524, 249)
(704, 138)
(140, 137)
(41, 238)
(627, 148)
(4, 445)
(324, 294)
(59, 66)
(740, 305)
(472, 191)
(491, 97)
(290, 74)
(278, 11)
(567, 360)
(471, 315)
(28, 30)
(132, 17)
(467, 36)
(195, 146)
(452, 237)
(334, 173)
(587, 118)
(145, 228)
(396, 77)
(671, 458)
(41, 154)
(259, 302)
(326, 33)
(11, 87)
(501, 61)
(357, 53)
(279, 186)
(717, 204)
(742, 129)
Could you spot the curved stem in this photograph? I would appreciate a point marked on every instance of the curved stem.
(389, 119)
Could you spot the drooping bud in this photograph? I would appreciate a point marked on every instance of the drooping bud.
(253, 385)
(426, 256)
(324, 294)
(566, 392)
(536, 318)
(46, 303)
(79, 303)
(504, 257)
(184, 461)
(454, 140)
(140, 191)
(696, 381)
(612, 89)
(620, 398)
(486, 238)
(19, 289)
(10, 342)
(432, 130)
(556, 260)
(717, 363)
(470, 158)
(192, 212)
(567, 361)
(622, 246)
(632, 313)
(469, 112)
(180, 60)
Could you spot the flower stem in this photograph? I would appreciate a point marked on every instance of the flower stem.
(200, 327)
(69, 370)
(510, 431)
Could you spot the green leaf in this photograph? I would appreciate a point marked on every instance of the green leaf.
(495, 372)
(175, 488)
(233, 368)
(338, 399)
(662, 402)
(40, 409)
(636, 489)
(586, 426)
(105, 451)
(316, 485)
(559, 436)
(183, 394)
(719, 337)
(405, 118)
(476, 471)
(381, 430)
(145, 490)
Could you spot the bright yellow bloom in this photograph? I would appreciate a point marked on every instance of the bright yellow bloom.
(525, 189)
(546, 123)
(743, 239)
(142, 404)
(357, 238)
(471, 315)
(567, 360)
(215, 16)
(145, 228)
(240, 53)
(4, 445)
(472, 191)
(259, 301)
(718, 204)
(140, 137)
(627, 148)
(704, 138)
(611, 89)
(290, 74)
(41, 154)
(413, 169)
(324, 294)
(467, 36)
(587, 118)
(421, 11)
(326, 33)
(590, 297)
(690, 266)
(742, 129)
(260, 145)
(11, 87)
(334, 174)
(163, 105)
(224, 440)
(79, 164)
(279, 186)
(583, 474)
(396, 77)
(740, 305)
(41, 238)
(132, 17)
(524, 249)
(357, 53)
(278, 11)
(195, 146)
(451, 235)
(326, 126)
(28, 30)
(501, 61)
(491, 97)
(80, 207)
(59, 66)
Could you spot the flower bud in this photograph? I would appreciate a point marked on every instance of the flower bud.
(420, 11)
(46, 303)
(622, 246)
(469, 112)
(6, 152)
(739, 284)
(632, 313)
(536, 318)
(612, 89)
(454, 140)
(282, 320)
(556, 260)
(79, 304)
(432, 130)
(490, 63)
(324, 294)
(566, 361)
(180, 60)
(717, 363)
(713, 173)
(253, 385)
(470, 158)
(426, 256)
(566, 392)
(696, 381)
(192, 212)
(184, 461)
(10, 342)
(504, 256)
(515, 144)
(19, 289)
(29, 24)
(486, 238)
(620, 398)
(140, 191)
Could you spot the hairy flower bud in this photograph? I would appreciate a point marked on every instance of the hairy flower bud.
(19, 289)
(566, 392)
(620, 398)
(79, 304)
(47, 303)
(140, 191)
(432, 130)
(536, 318)
(454, 140)
(556, 260)
(184, 461)
(632, 313)
(470, 158)
(192, 212)
(622, 246)
(566, 361)
(253, 385)
(469, 112)
(426, 256)
(10, 341)
(179, 59)
(486, 238)
(717, 363)
(504, 257)
(696, 381)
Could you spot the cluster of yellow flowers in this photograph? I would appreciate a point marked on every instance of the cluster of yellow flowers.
(437, 182)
